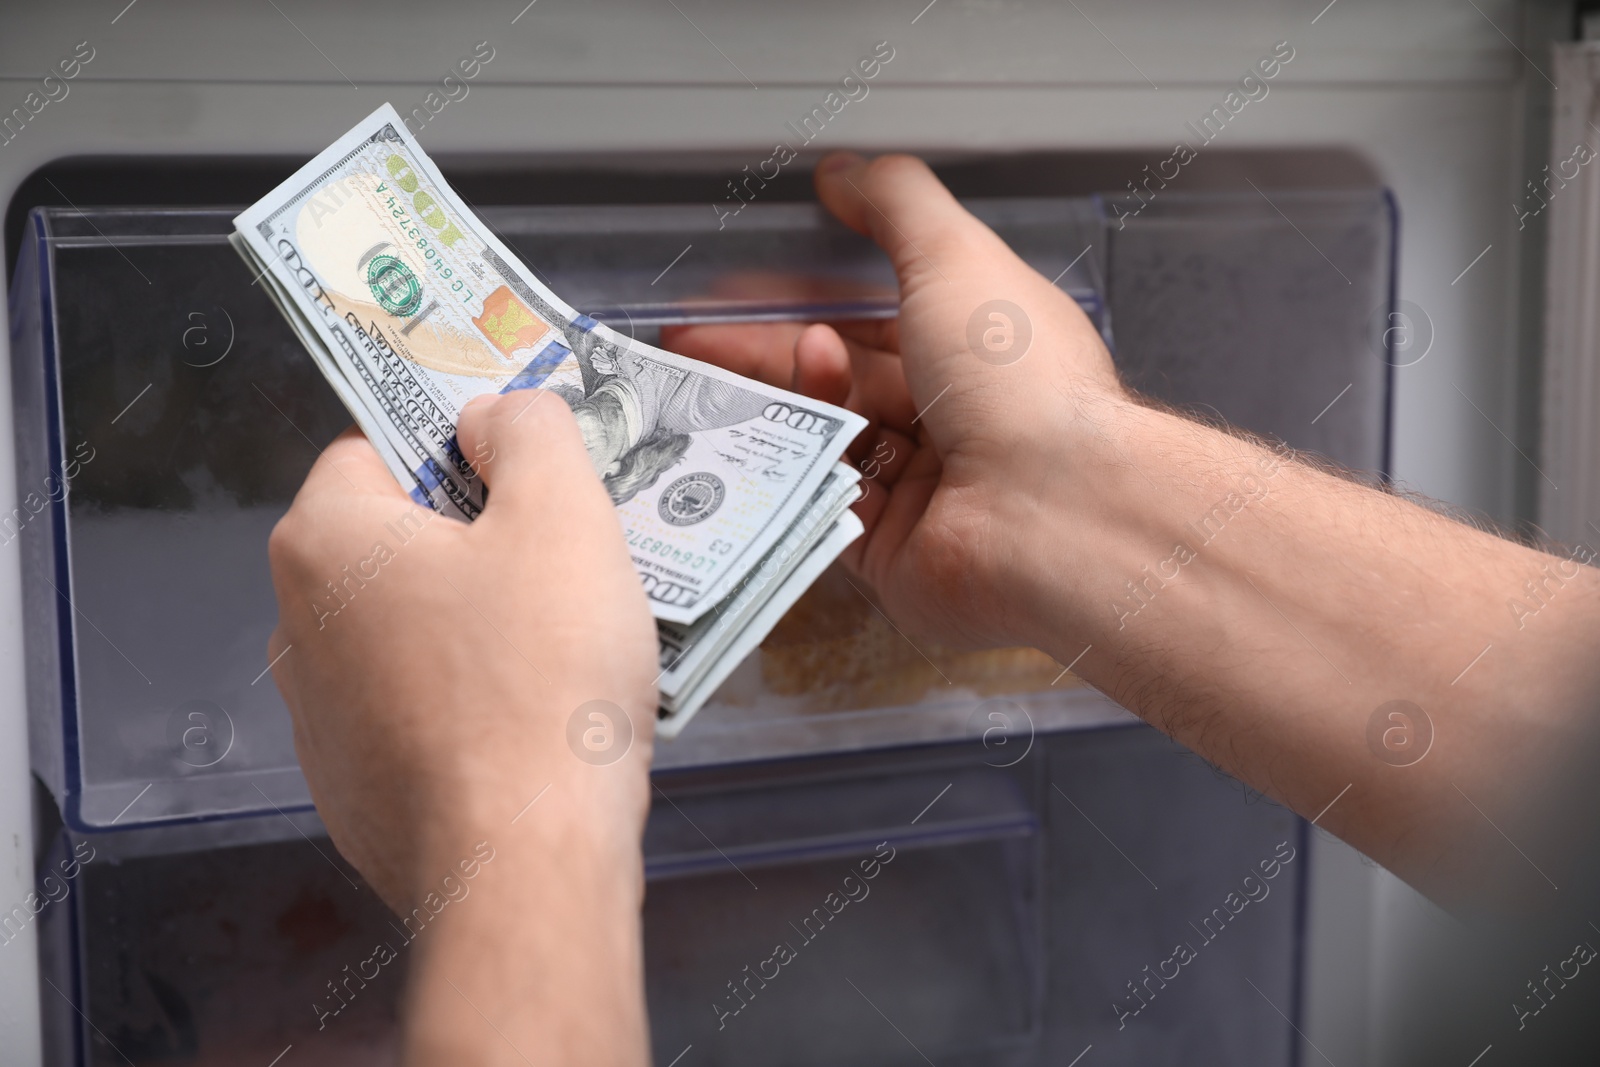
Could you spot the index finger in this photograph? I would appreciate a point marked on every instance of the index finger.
(760, 350)
(765, 350)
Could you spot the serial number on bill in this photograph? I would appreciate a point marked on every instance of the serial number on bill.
(644, 544)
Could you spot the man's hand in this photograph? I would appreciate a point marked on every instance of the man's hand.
(1260, 610)
(989, 373)
(431, 669)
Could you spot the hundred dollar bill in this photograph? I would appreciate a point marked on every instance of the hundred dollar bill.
(677, 709)
(689, 653)
(411, 307)
(286, 306)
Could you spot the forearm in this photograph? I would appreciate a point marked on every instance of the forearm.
(1261, 611)
(542, 961)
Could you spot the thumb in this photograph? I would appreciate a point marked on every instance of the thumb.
(970, 307)
(899, 202)
(528, 449)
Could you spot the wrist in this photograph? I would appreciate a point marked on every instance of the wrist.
(1126, 504)
(542, 793)
(1088, 504)
(1038, 508)
(584, 820)
(547, 948)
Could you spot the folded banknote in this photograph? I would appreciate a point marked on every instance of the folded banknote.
(730, 492)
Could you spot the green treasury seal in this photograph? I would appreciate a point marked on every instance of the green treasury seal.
(397, 289)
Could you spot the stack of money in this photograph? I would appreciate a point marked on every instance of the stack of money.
(731, 492)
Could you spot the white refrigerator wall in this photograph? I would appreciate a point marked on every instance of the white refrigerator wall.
(1432, 93)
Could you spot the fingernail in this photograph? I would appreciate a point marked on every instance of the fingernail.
(837, 161)
(479, 400)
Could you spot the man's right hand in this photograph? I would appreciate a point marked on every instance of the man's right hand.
(987, 384)
(1263, 612)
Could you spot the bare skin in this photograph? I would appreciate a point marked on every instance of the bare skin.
(1273, 608)
(433, 708)
(1256, 608)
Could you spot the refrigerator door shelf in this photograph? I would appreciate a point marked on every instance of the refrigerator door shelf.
(165, 416)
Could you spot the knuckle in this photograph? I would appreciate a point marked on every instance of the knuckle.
(285, 544)
(278, 541)
(352, 444)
